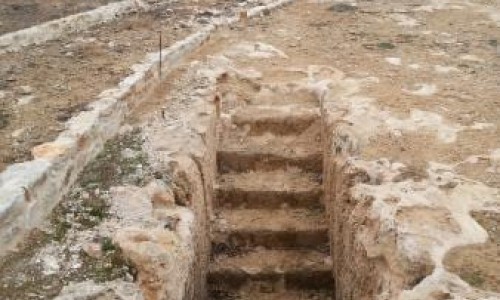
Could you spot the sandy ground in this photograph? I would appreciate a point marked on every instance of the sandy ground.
(74, 70)
(442, 60)
(65, 75)
(19, 14)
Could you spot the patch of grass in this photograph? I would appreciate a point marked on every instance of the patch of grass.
(4, 118)
(111, 168)
(107, 245)
(97, 207)
(87, 206)
(473, 278)
(386, 45)
(61, 228)
(111, 266)
(83, 208)
(343, 7)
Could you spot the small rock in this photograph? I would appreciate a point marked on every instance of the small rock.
(250, 270)
(171, 222)
(471, 58)
(25, 100)
(129, 277)
(93, 250)
(204, 20)
(396, 61)
(185, 25)
(18, 133)
(50, 265)
(125, 129)
(25, 90)
(163, 199)
(423, 89)
(128, 153)
(328, 261)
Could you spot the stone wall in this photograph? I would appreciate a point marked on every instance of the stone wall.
(51, 30)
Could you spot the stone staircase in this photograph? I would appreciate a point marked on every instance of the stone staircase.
(270, 235)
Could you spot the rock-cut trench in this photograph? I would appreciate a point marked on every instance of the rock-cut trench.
(270, 235)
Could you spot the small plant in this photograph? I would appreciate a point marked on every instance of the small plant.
(343, 7)
(98, 208)
(386, 45)
(61, 228)
(107, 245)
(4, 118)
(473, 278)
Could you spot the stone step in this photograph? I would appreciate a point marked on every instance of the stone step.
(278, 120)
(243, 161)
(274, 189)
(263, 295)
(241, 152)
(272, 270)
(241, 229)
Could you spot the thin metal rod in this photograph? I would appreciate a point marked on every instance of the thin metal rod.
(159, 70)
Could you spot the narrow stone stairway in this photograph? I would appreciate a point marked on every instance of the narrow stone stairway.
(270, 236)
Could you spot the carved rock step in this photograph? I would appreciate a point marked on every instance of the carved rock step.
(272, 270)
(285, 295)
(241, 152)
(278, 120)
(275, 189)
(273, 229)
(243, 161)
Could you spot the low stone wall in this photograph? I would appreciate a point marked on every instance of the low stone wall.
(51, 30)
